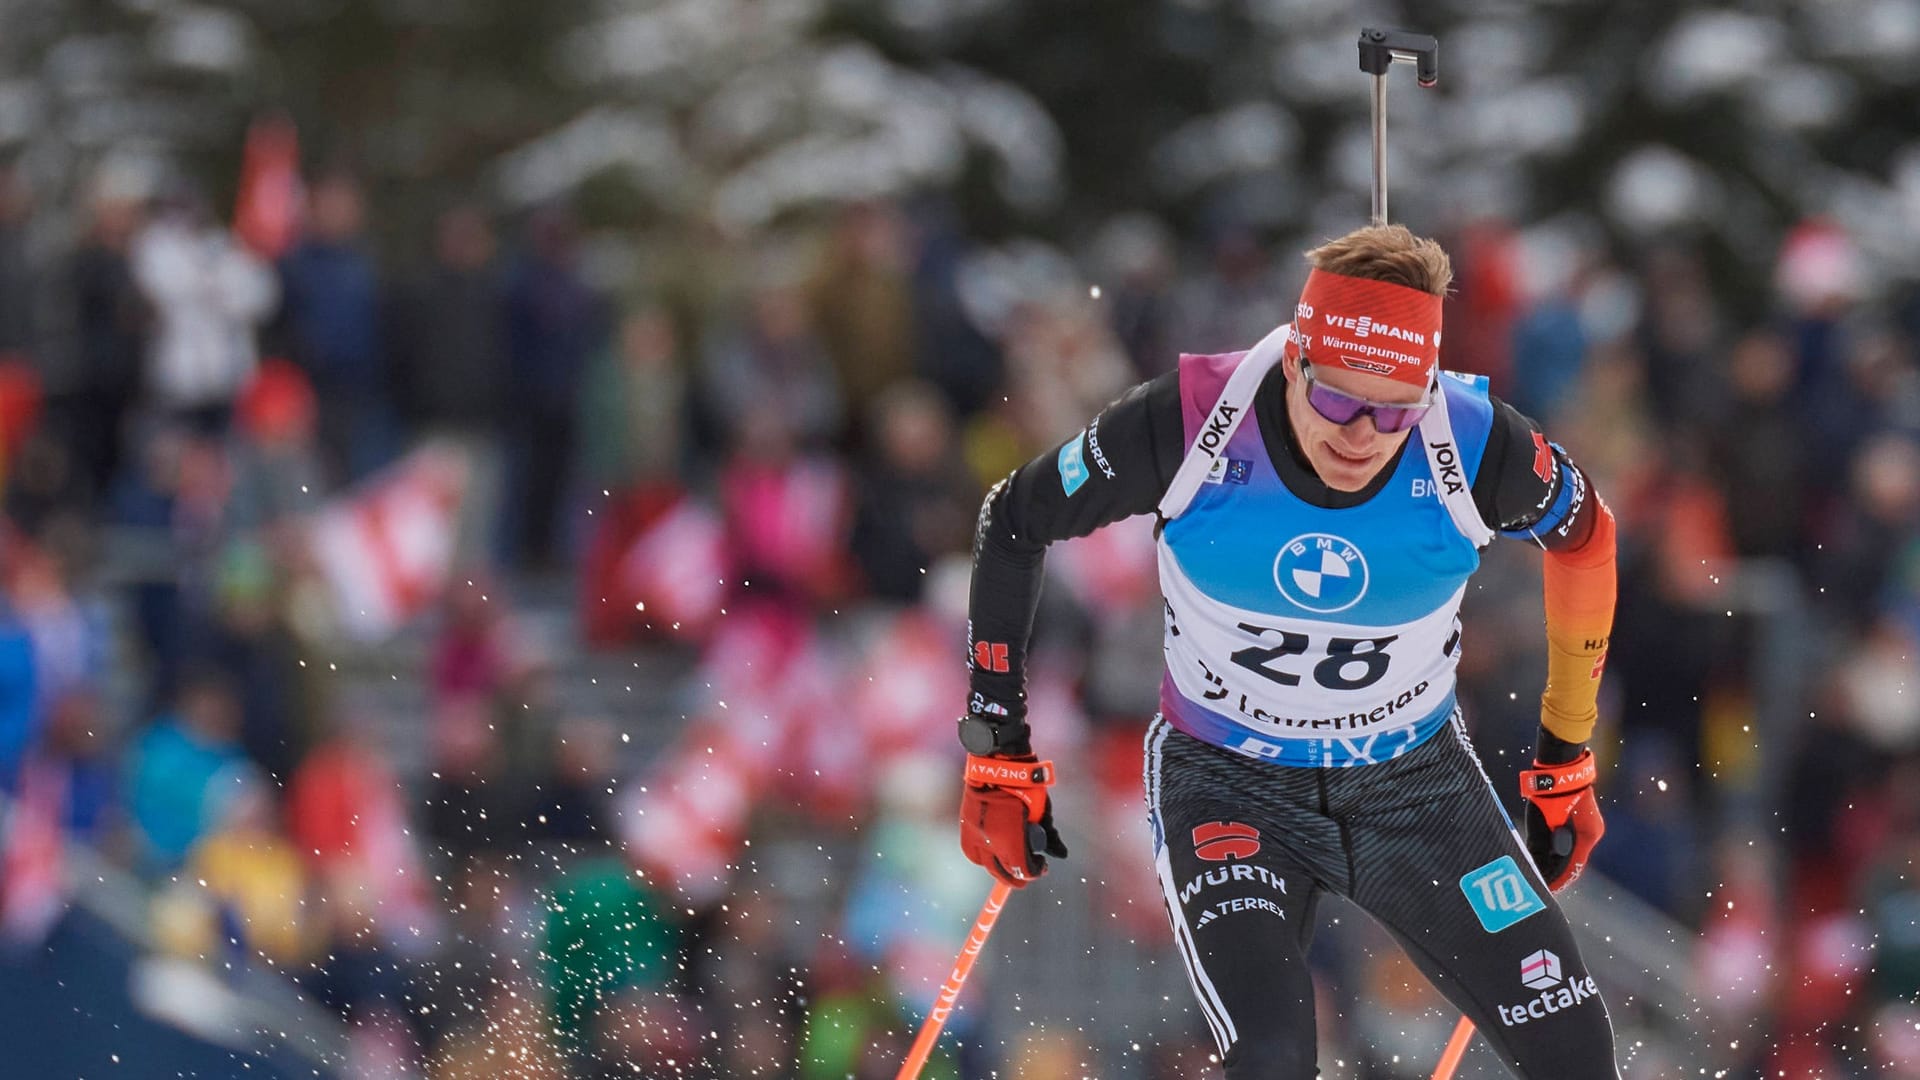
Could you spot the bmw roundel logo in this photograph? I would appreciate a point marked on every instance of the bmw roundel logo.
(1321, 572)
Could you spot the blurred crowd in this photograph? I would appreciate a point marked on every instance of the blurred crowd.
(760, 458)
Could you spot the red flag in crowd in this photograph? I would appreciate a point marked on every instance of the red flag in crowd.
(385, 550)
(266, 214)
(787, 705)
(20, 395)
(33, 889)
(672, 575)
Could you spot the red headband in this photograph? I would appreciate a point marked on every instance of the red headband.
(1371, 326)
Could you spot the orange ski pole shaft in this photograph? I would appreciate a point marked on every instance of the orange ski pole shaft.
(949, 993)
(1456, 1049)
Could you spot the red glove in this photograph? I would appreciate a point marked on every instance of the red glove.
(1563, 818)
(1006, 817)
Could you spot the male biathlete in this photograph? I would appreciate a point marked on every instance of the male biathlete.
(1322, 500)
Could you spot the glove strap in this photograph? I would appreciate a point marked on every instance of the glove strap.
(1008, 773)
(1543, 781)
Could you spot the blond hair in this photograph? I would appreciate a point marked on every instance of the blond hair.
(1390, 253)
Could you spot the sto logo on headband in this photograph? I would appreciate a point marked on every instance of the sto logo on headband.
(1372, 326)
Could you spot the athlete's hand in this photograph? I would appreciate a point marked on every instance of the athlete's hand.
(1563, 817)
(1006, 817)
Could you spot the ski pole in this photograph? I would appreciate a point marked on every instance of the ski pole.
(950, 992)
(1456, 1049)
(1379, 51)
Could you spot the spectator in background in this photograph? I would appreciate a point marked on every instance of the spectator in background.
(331, 320)
(752, 980)
(19, 332)
(852, 1028)
(861, 299)
(917, 500)
(181, 769)
(1891, 904)
(1871, 392)
(19, 693)
(901, 905)
(477, 657)
(450, 340)
(1679, 331)
(255, 887)
(20, 400)
(643, 1032)
(555, 323)
(631, 407)
(1237, 302)
(1548, 351)
(1669, 630)
(472, 807)
(70, 638)
(41, 494)
(950, 352)
(508, 1026)
(1740, 944)
(787, 514)
(1612, 428)
(1862, 543)
(110, 324)
(605, 935)
(1831, 766)
(362, 978)
(79, 745)
(1135, 264)
(1820, 280)
(276, 469)
(573, 804)
(1065, 366)
(246, 637)
(487, 956)
(1756, 451)
(169, 507)
(344, 811)
(209, 296)
(770, 354)
(1485, 303)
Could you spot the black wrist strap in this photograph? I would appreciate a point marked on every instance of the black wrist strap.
(1551, 749)
(984, 735)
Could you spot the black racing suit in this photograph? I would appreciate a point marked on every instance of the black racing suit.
(1246, 847)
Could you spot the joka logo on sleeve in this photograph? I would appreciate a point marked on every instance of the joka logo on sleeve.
(1500, 894)
(1218, 841)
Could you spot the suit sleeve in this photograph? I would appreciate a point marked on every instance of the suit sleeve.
(1532, 488)
(1117, 466)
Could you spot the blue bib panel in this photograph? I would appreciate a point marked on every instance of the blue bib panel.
(1309, 636)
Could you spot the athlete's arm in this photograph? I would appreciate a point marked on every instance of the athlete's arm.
(1116, 467)
(1534, 492)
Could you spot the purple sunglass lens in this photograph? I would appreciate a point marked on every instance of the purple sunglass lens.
(1343, 409)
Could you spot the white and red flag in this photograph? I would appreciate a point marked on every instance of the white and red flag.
(33, 890)
(386, 548)
(266, 213)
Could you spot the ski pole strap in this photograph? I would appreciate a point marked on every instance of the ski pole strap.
(1008, 773)
(1568, 779)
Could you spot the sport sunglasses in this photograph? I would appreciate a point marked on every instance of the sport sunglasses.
(1343, 409)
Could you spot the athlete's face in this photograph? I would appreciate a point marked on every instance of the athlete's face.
(1345, 456)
